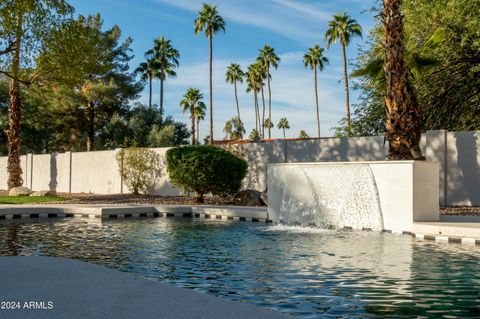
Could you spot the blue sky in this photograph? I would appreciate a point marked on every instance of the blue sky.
(290, 26)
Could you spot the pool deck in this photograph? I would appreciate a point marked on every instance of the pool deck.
(450, 228)
(79, 290)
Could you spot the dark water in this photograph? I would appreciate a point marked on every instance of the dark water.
(308, 273)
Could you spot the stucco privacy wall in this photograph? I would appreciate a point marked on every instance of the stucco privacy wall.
(163, 186)
(457, 152)
(463, 165)
(95, 172)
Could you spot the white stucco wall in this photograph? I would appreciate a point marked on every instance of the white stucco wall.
(97, 172)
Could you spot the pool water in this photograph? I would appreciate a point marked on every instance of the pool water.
(305, 272)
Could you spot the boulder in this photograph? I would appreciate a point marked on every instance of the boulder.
(248, 197)
(19, 191)
(44, 193)
(264, 197)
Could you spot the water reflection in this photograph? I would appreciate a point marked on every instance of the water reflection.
(305, 272)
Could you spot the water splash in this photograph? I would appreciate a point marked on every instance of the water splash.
(331, 196)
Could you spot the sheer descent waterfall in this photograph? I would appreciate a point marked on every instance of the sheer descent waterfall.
(325, 196)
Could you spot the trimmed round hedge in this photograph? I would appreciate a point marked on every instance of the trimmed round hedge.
(205, 169)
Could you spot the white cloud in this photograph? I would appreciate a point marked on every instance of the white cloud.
(285, 17)
(292, 95)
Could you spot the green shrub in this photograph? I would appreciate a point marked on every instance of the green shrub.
(205, 169)
(139, 168)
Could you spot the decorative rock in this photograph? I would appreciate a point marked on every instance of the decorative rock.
(19, 191)
(44, 193)
(248, 197)
(264, 196)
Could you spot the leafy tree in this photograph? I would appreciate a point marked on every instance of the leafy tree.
(24, 26)
(210, 21)
(283, 125)
(235, 74)
(205, 169)
(181, 134)
(167, 60)
(314, 60)
(268, 58)
(440, 50)
(341, 29)
(161, 137)
(450, 30)
(191, 101)
(99, 84)
(143, 126)
(140, 168)
(234, 129)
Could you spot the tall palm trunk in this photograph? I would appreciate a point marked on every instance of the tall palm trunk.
(403, 112)
(14, 115)
(198, 130)
(161, 95)
(269, 102)
(236, 99)
(255, 101)
(284, 137)
(316, 100)
(150, 92)
(211, 87)
(263, 114)
(347, 94)
(192, 116)
(91, 127)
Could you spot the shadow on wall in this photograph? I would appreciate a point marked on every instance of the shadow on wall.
(53, 172)
(467, 161)
(336, 150)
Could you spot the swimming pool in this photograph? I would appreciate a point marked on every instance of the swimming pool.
(305, 272)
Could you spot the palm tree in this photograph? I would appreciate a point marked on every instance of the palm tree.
(199, 116)
(210, 21)
(252, 77)
(234, 129)
(148, 70)
(235, 74)
(166, 57)
(303, 134)
(284, 125)
(268, 124)
(342, 29)
(268, 58)
(314, 59)
(192, 100)
(261, 74)
(403, 112)
(255, 76)
(254, 135)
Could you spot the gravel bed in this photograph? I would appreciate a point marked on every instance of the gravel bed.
(83, 198)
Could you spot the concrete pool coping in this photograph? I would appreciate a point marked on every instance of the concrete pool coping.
(237, 213)
(456, 229)
(77, 289)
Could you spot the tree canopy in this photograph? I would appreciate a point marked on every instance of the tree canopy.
(442, 43)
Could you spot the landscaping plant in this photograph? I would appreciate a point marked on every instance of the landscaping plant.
(139, 168)
(205, 169)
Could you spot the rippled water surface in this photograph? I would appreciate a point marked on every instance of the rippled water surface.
(308, 273)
